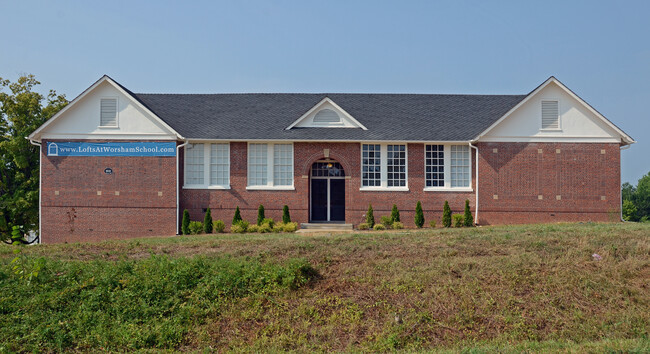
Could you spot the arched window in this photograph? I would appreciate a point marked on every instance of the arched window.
(327, 116)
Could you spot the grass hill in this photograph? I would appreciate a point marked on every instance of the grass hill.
(505, 288)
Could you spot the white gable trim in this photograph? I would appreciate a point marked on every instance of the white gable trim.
(325, 100)
(625, 139)
(105, 78)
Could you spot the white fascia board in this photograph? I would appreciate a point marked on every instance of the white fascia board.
(37, 132)
(374, 141)
(625, 139)
(318, 105)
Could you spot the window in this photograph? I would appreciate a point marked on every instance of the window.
(396, 165)
(327, 116)
(459, 166)
(220, 164)
(384, 166)
(434, 163)
(207, 166)
(550, 115)
(270, 166)
(194, 172)
(108, 112)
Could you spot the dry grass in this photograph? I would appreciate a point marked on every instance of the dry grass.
(493, 288)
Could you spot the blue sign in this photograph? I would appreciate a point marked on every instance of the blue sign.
(77, 148)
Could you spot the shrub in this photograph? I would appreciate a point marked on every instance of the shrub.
(268, 221)
(458, 220)
(370, 217)
(394, 214)
(240, 227)
(286, 218)
(265, 228)
(387, 221)
(207, 222)
(185, 225)
(432, 223)
(290, 227)
(278, 227)
(237, 218)
(253, 228)
(219, 226)
(397, 225)
(379, 227)
(446, 215)
(364, 226)
(195, 227)
(419, 215)
(469, 220)
(260, 214)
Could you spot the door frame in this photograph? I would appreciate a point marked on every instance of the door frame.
(328, 178)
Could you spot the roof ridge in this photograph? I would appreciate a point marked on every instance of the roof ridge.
(327, 93)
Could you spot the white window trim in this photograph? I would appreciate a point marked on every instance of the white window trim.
(559, 115)
(207, 150)
(270, 150)
(117, 113)
(383, 169)
(447, 166)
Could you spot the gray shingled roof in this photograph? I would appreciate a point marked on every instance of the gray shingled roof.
(410, 117)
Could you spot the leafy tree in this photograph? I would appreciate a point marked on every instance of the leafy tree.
(207, 222)
(22, 110)
(370, 217)
(394, 214)
(636, 200)
(419, 215)
(286, 218)
(237, 218)
(260, 215)
(627, 191)
(469, 220)
(629, 211)
(185, 224)
(446, 215)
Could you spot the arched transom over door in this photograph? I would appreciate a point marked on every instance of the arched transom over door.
(327, 192)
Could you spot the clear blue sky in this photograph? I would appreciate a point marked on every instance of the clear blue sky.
(601, 50)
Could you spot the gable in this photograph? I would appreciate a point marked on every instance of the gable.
(326, 114)
(82, 118)
(532, 121)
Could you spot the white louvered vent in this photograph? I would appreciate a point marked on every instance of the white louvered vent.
(327, 116)
(108, 116)
(550, 115)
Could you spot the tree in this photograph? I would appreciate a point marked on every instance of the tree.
(260, 215)
(185, 224)
(446, 215)
(370, 217)
(469, 220)
(21, 111)
(419, 215)
(236, 219)
(286, 218)
(394, 214)
(630, 211)
(642, 196)
(207, 222)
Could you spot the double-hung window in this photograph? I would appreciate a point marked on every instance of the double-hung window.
(384, 166)
(447, 167)
(207, 166)
(270, 166)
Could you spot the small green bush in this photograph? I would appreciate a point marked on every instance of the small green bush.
(290, 227)
(397, 225)
(469, 220)
(394, 214)
(379, 227)
(260, 215)
(446, 215)
(237, 218)
(240, 227)
(419, 215)
(364, 226)
(370, 217)
(195, 227)
(286, 218)
(253, 228)
(207, 222)
(219, 226)
(278, 227)
(387, 221)
(264, 228)
(185, 225)
(459, 219)
(268, 221)
(432, 223)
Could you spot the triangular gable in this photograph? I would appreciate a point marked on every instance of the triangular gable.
(39, 131)
(325, 106)
(625, 139)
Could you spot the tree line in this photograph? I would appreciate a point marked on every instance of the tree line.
(636, 200)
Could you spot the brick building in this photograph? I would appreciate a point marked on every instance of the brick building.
(116, 164)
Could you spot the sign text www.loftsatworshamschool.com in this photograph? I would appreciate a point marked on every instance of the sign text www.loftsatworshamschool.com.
(73, 148)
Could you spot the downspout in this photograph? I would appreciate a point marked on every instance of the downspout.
(476, 169)
(620, 179)
(178, 187)
(40, 185)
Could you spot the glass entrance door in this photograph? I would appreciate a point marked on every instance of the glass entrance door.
(327, 192)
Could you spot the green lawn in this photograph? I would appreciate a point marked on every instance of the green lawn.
(505, 288)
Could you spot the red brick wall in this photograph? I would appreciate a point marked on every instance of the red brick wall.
(78, 213)
(517, 174)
